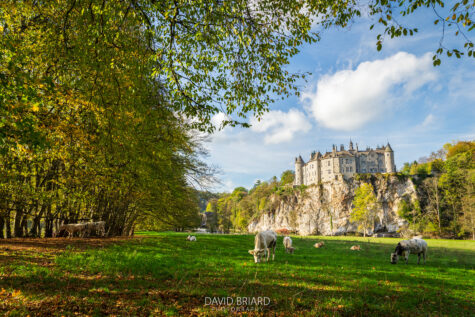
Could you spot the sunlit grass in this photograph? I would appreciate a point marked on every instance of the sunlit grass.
(176, 275)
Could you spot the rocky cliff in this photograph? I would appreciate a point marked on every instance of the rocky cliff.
(325, 209)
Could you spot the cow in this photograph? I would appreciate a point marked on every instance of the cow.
(288, 245)
(406, 247)
(72, 228)
(98, 227)
(264, 243)
(355, 248)
(319, 244)
(191, 238)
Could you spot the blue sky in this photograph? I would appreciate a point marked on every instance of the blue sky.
(356, 92)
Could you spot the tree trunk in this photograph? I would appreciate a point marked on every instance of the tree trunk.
(48, 222)
(8, 227)
(35, 228)
(24, 226)
(2, 222)
(17, 229)
(48, 228)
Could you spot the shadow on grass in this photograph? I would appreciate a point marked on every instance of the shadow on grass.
(167, 274)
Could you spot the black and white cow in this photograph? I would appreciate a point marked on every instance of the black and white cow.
(406, 247)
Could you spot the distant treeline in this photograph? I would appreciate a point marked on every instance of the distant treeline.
(446, 186)
(445, 182)
(235, 210)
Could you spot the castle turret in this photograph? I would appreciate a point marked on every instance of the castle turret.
(389, 159)
(298, 171)
(351, 145)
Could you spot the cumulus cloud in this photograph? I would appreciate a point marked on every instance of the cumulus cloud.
(428, 121)
(348, 99)
(279, 126)
(217, 119)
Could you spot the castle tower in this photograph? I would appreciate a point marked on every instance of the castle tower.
(351, 145)
(298, 171)
(389, 159)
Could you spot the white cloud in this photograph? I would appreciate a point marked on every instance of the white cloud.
(428, 121)
(217, 119)
(281, 126)
(348, 99)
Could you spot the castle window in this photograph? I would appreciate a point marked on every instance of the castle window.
(328, 163)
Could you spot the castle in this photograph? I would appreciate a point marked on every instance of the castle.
(343, 164)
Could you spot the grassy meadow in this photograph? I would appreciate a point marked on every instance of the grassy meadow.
(159, 274)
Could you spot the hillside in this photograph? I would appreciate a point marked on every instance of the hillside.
(325, 209)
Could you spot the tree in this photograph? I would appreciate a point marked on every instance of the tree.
(468, 205)
(287, 177)
(458, 18)
(365, 207)
(434, 197)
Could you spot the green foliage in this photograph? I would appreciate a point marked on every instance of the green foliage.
(445, 182)
(457, 17)
(365, 207)
(405, 210)
(364, 177)
(287, 177)
(85, 132)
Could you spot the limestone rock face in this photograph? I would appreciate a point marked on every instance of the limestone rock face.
(325, 209)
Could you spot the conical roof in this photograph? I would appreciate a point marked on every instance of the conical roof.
(388, 148)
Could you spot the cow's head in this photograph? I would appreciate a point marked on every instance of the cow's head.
(291, 250)
(394, 258)
(257, 255)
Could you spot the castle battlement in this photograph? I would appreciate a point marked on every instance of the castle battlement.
(343, 163)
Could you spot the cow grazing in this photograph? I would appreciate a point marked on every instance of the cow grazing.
(98, 228)
(72, 228)
(288, 245)
(264, 243)
(406, 247)
(355, 248)
(191, 238)
(319, 244)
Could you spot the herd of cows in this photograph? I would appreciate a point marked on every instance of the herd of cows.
(82, 229)
(265, 243)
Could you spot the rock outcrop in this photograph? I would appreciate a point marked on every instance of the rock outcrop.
(324, 209)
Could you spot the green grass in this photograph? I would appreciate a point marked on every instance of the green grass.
(163, 274)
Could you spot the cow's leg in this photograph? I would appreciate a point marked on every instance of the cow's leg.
(267, 254)
(407, 255)
(273, 252)
(424, 255)
(418, 258)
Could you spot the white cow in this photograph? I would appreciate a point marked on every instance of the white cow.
(98, 227)
(72, 228)
(288, 245)
(264, 242)
(406, 247)
(191, 238)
